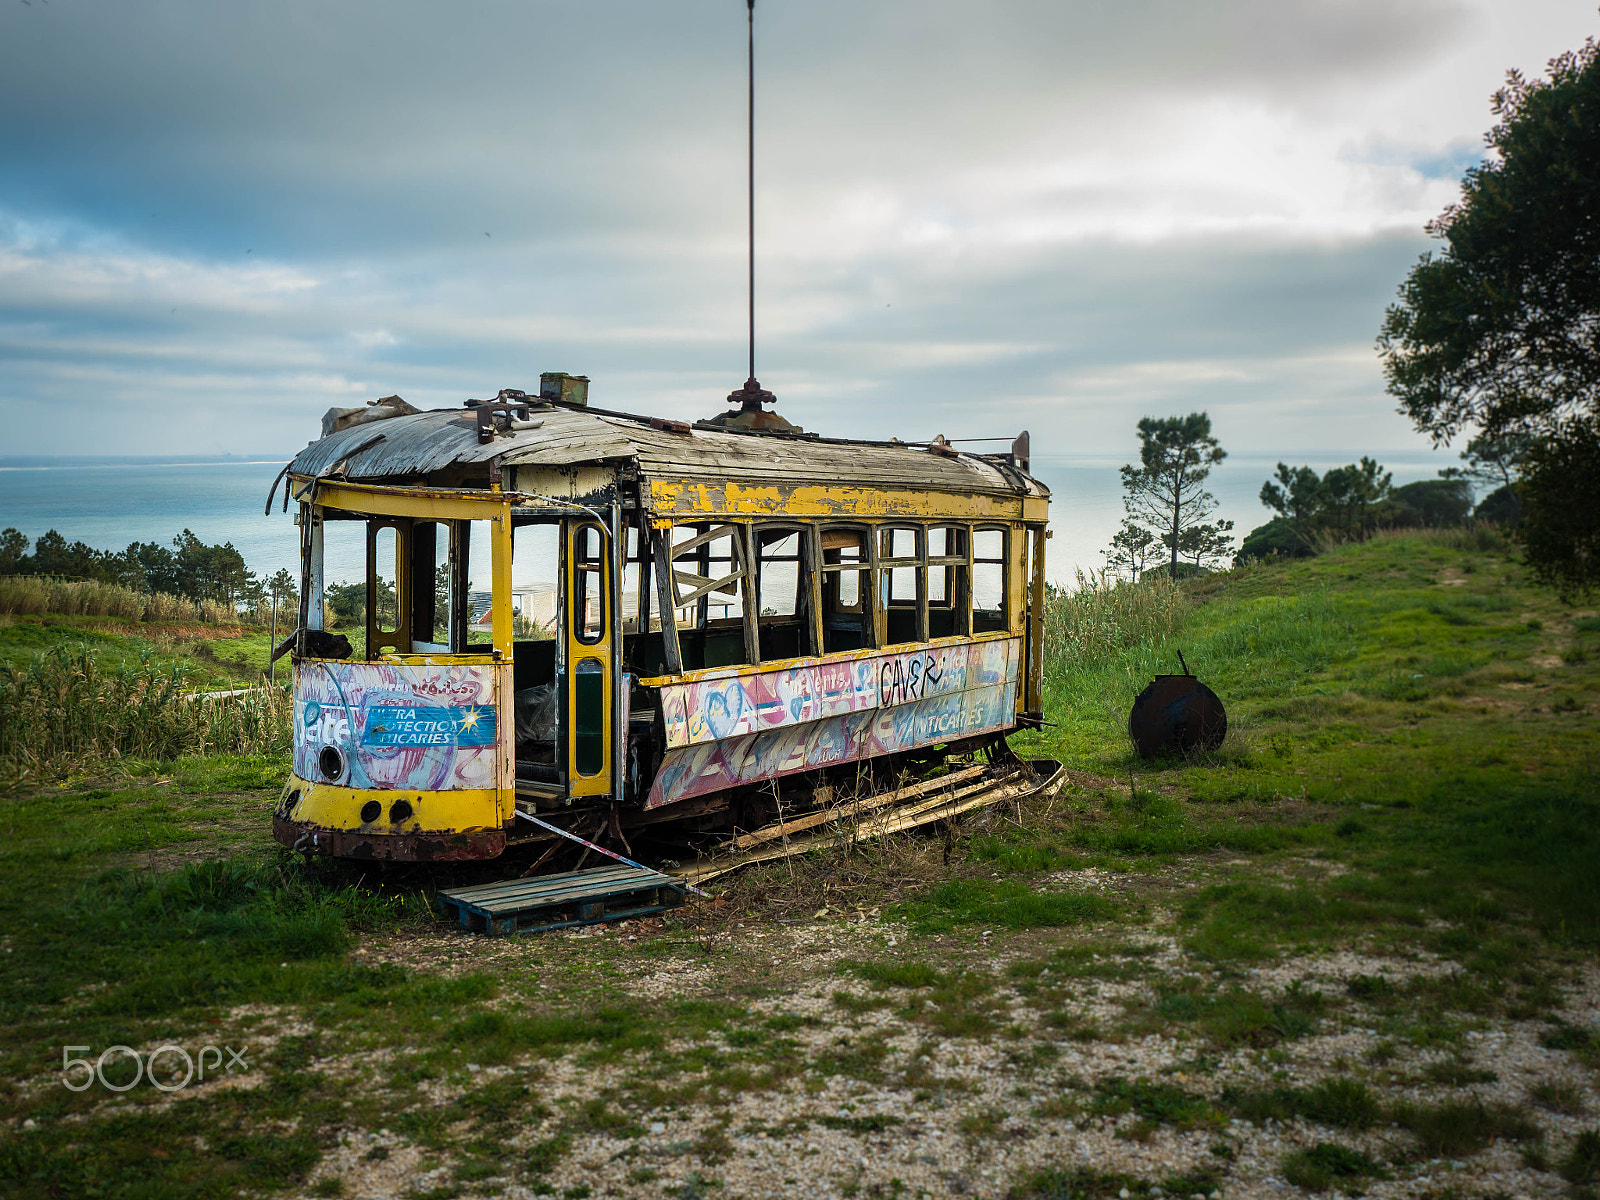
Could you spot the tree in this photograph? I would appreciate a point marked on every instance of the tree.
(1165, 493)
(211, 572)
(1204, 545)
(1131, 550)
(54, 555)
(151, 567)
(1497, 463)
(1430, 504)
(1351, 495)
(345, 605)
(1297, 499)
(1344, 503)
(1501, 328)
(13, 549)
(283, 588)
(1559, 493)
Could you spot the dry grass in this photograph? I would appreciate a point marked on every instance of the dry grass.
(34, 596)
(37, 595)
(1097, 619)
(65, 707)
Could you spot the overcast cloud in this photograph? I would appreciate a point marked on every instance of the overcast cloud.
(218, 219)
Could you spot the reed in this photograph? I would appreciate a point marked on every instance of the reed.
(24, 595)
(163, 607)
(37, 595)
(213, 613)
(1099, 619)
(65, 706)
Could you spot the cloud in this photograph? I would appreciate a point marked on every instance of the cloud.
(970, 214)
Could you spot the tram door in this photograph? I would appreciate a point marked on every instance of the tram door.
(587, 679)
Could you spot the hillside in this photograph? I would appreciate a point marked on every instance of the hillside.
(1356, 948)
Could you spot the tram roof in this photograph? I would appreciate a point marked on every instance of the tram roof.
(404, 447)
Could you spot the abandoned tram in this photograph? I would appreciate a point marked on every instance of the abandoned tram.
(742, 624)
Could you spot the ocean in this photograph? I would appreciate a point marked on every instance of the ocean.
(109, 502)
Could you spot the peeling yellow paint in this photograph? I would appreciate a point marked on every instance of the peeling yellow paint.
(670, 499)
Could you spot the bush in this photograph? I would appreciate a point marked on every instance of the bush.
(1430, 504)
(1560, 491)
(1582, 1163)
(1276, 539)
(1500, 507)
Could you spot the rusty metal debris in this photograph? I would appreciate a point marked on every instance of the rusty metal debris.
(337, 419)
(921, 804)
(1177, 714)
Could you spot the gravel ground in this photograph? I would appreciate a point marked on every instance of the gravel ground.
(972, 1125)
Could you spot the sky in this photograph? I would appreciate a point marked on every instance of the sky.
(973, 216)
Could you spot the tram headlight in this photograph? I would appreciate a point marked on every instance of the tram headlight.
(331, 763)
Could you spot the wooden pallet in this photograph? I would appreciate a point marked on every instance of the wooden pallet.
(559, 901)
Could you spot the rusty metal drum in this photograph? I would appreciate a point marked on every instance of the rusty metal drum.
(1177, 714)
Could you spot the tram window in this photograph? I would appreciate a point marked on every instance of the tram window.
(589, 716)
(780, 560)
(588, 596)
(535, 569)
(988, 580)
(430, 587)
(900, 560)
(385, 601)
(631, 595)
(845, 619)
(703, 555)
(344, 571)
(947, 580)
(472, 603)
(778, 571)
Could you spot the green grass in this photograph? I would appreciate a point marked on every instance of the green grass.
(1415, 733)
(1327, 1165)
(1410, 769)
(1004, 903)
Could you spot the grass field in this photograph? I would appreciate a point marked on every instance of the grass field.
(210, 655)
(1355, 949)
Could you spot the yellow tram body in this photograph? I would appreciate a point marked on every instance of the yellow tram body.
(879, 603)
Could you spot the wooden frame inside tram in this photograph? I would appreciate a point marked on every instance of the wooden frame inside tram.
(736, 616)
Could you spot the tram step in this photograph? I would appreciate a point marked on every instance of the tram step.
(560, 901)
